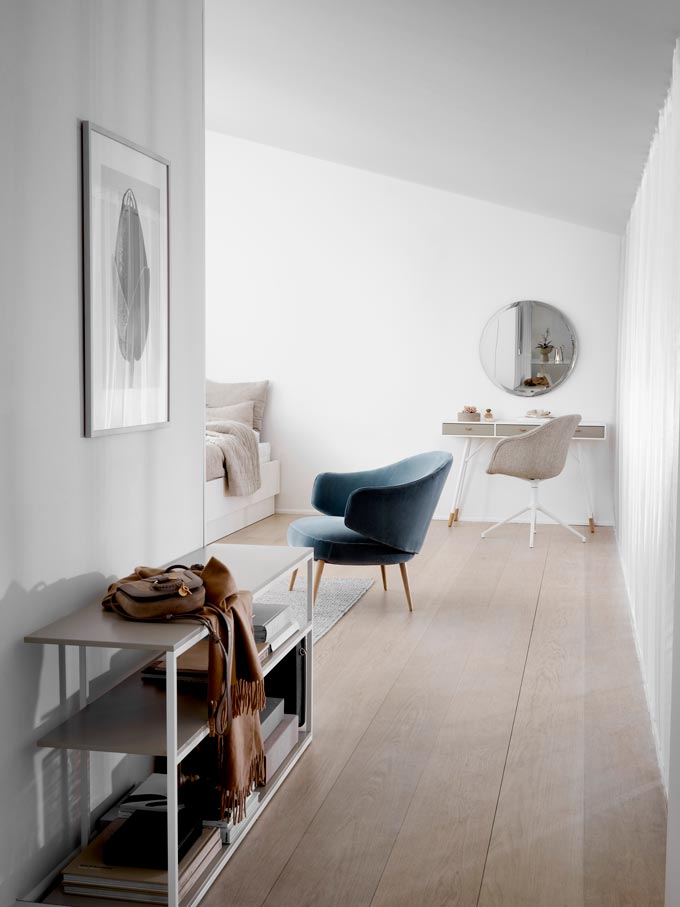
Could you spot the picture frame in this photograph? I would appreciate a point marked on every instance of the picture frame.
(126, 260)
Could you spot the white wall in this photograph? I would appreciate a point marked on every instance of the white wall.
(75, 511)
(363, 299)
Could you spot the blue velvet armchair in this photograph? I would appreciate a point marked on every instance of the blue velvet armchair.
(378, 517)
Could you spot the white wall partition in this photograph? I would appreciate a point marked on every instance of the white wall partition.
(75, 511)
(648, 411)
(363, 299)
(648, 442)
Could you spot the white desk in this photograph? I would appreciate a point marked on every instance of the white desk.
(493, 430)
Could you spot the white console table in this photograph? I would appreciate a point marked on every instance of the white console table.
(134, 717)
(494, 430)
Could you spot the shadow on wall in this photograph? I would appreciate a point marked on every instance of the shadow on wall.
(38, 689)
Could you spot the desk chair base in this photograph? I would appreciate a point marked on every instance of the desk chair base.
(533, 509)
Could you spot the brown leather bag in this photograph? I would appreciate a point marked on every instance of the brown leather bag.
(179, 594)
(175, 593)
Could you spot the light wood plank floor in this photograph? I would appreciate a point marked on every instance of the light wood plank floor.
(491, 748)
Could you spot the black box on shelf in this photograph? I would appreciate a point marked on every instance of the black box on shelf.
(287, 681)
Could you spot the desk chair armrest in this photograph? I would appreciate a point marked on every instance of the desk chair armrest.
(539, 454)
(397, 515)
(512, 456)
(331, 490)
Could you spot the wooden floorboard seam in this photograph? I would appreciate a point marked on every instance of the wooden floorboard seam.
(415, 789)
(429, 554)
(512, 729)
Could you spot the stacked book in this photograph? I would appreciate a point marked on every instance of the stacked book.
(150, 795)
(192, 665)
(92, 873)
(273, 625)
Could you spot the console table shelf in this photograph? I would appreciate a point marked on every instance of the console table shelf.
(130, 718)
(158, 720)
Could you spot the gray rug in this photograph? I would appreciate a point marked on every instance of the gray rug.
(336, 596)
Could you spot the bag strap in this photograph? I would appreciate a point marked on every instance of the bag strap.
(223, 722)
(221, 712)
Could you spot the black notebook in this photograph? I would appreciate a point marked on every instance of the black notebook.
(142, 839)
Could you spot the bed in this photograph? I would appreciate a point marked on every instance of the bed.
(237, 460)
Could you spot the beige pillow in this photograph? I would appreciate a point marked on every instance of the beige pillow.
(217, 394)
(238, 412)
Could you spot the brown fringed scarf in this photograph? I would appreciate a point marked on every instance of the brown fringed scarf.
(240, 750)
(241, 761)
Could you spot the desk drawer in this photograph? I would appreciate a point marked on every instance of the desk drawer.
(508, 430)
(468, 429)
(589, 431)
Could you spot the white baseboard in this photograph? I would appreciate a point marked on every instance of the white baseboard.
(298, 512)
(439, 516)
(444, 515)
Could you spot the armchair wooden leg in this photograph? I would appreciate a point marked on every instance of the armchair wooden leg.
(293, 577)
(384, 576)
(317, 579)
(407, 590)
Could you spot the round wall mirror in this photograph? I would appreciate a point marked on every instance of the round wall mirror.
(528, 348)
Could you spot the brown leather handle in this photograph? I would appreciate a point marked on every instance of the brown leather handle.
(167, 584)
(221, 716)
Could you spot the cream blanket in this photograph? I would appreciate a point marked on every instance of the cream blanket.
(231, 448)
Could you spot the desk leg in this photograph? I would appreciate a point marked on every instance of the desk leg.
(586, 486)
(453, 516)
(458, 496)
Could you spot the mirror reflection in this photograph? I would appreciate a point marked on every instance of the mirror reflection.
(528, 348)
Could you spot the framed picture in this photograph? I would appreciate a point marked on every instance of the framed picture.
(125, 223)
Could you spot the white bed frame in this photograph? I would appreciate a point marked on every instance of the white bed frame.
(225, 514)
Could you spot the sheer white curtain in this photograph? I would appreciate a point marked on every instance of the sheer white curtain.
(648, 410)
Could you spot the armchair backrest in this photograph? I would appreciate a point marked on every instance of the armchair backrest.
(540, 454)
(396, 508)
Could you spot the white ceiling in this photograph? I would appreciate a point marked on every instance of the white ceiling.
(543, 105)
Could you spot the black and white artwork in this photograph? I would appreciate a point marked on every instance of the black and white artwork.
(125, 206)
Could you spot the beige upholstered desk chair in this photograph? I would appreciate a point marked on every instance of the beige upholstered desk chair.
(534, 457)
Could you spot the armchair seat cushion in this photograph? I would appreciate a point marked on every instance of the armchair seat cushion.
(334, 543)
